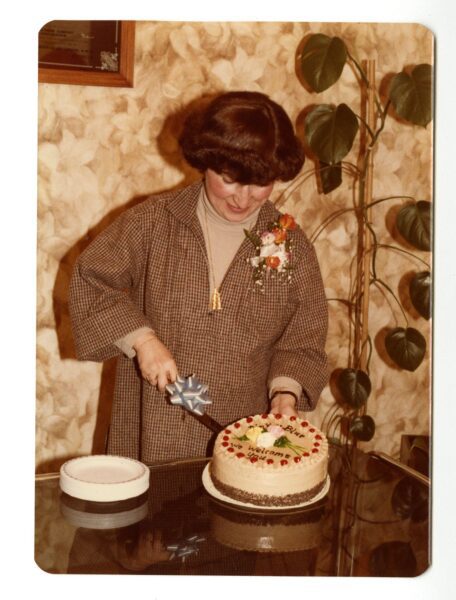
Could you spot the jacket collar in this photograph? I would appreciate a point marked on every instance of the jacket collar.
(183, 207)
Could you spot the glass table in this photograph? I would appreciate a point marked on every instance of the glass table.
(374, 521)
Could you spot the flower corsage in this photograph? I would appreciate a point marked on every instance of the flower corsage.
(272, 249)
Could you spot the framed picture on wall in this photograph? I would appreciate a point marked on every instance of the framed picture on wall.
(87, 53)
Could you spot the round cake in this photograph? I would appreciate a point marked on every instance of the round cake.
(270, 460)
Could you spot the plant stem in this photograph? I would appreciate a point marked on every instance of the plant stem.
(384, 114)
(371, 133)
(374, 245)
(333, 409)
(365, 79)
(314, 236)
(335, 424)
(369, 342)
(391, 198)
(386, 286)
(390, 247)
(343, 300)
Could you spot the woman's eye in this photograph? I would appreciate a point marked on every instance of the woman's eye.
(227, 179)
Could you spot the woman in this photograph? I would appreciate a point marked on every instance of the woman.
(174, 286)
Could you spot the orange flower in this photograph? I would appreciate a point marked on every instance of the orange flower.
(280, 235)
(287, 222)
(273, 262)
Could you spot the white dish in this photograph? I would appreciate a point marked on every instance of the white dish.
(104, 478)
(213, 491)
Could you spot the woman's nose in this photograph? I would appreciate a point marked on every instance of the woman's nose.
(242, 196)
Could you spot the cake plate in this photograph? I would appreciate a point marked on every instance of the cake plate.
(215, 493)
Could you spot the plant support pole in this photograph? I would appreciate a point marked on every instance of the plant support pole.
(367, 201)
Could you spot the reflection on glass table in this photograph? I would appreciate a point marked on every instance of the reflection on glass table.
(374, 521)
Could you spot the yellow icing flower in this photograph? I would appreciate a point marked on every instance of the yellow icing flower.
(252, 433)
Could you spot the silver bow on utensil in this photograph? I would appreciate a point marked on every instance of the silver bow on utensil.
(189, 393)
(186, 547)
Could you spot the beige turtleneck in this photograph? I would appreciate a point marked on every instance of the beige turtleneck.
(223, 239)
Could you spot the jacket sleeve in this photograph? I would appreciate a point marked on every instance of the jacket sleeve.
(300, 351)
(105, 278)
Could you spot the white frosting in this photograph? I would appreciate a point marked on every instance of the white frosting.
(244, 465)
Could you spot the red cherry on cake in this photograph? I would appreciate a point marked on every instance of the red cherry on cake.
(314, 449)
(269, 461)
(237, 425)
(316, 444)
(297, 459)
(306, 454)
(304, 424)
(293, 418)
(225, 444)
(240, 455)
(278, 416)
(283, 462)
(253, 459)
(264, 416)
(230, 449)
(227, 430)
(311, 430)
(318, 437)
(226, 438)
(249, 419)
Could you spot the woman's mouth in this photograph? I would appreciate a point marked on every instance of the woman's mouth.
(236, 209)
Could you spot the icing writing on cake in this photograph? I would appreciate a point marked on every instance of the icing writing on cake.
(268, 439)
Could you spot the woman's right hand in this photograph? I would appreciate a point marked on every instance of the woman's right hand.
(155, 361)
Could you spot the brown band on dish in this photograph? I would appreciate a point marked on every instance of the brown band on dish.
(265, 500)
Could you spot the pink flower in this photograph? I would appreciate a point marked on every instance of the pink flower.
(276, 431)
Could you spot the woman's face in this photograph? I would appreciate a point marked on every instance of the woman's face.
(234, 201)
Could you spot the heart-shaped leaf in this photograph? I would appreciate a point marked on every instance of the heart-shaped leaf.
(363, 428)
(354, 386)
(322, 61)
(330, 176)
(330, 131)
(406, 347)
(411, 95)
(414, 224)
(420, 293)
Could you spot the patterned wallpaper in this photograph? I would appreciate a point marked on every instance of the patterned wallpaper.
(102, 149)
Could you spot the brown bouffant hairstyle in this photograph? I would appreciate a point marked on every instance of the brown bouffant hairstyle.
(246, 135)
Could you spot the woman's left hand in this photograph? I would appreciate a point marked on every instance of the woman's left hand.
(284, 404)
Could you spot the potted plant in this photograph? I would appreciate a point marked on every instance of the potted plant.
(329, 133)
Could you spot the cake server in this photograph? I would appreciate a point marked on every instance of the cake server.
(192, 395)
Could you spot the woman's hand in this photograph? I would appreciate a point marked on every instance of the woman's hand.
(284, 404)
(155, 361)
(148, 549)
